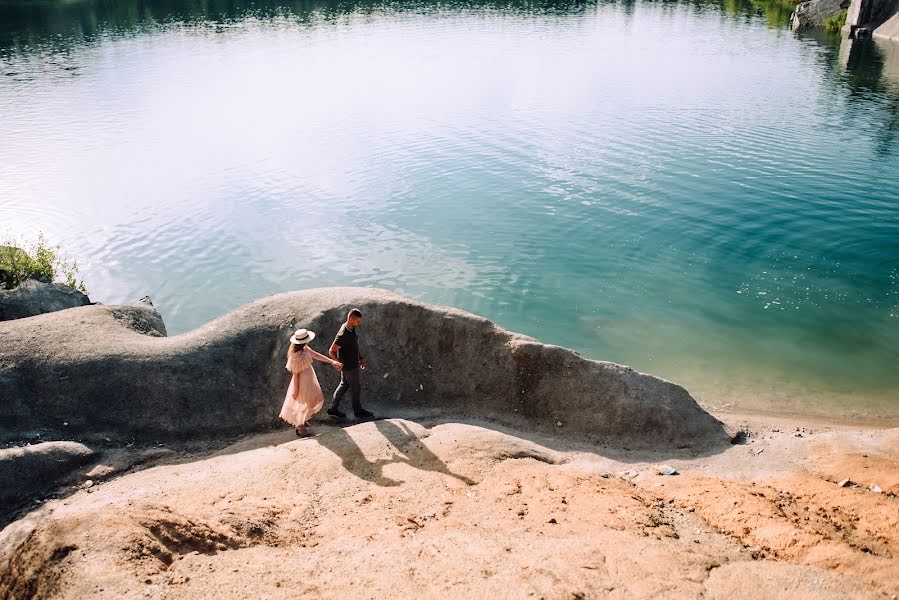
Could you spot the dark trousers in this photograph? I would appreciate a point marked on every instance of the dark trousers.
(349, 380)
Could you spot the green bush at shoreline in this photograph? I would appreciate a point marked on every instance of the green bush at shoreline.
(835, 23)
(39, 259)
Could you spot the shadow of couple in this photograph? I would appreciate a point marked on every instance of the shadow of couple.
(406, 448)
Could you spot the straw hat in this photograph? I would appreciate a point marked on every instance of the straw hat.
(302, 336)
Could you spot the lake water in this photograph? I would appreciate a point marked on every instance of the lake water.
(687, 188)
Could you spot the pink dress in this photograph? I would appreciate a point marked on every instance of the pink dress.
(309, 401)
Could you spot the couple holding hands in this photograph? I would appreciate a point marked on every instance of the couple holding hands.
(304, 396)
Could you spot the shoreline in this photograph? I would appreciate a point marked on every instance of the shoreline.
(534, 472)
(787, 419)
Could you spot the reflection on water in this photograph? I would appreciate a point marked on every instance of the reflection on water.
(685, 187)
(871, 67)
(38, 23)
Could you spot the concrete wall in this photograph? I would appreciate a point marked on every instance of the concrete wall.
(872, 14)
(890, 29)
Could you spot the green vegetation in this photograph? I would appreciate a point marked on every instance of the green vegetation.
(777, 13)
(39, 259)
(835, 23)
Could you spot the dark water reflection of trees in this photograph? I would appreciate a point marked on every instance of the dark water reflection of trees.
(35, 23)
(864, 69)
(27, 23)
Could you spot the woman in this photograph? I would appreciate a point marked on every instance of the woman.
(304, 396)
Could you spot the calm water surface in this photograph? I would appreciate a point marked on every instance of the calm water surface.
(687, 188)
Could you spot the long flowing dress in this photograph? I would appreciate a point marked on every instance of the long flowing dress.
(309, 401)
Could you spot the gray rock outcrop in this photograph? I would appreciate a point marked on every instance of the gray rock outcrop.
(815, 13)
(106, 371)
(35, 297)
(37, 469)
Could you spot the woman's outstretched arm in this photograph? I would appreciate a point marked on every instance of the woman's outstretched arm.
(323, 358)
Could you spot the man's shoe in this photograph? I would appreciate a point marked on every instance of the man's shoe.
(335, 412)
(364, 415)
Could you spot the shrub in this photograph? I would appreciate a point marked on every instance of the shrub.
(40, 260)
(835, 23)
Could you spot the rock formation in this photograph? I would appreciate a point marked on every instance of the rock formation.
(110, 372)
(37, 468)
(35, 297)
(815, 13)
(392, 509)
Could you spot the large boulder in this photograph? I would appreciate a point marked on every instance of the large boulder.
(104, 372)
(36, 469)
(34, 297)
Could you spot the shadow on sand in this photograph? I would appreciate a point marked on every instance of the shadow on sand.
(405, 447)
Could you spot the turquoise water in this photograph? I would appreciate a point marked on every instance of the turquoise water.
(687, 188)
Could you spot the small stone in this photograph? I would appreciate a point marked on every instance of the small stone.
(876, 489)
(100, 471)
(666, 470)
(87, 484)
(385, 375)
(558, 423)
(553, 520)
(845, 483)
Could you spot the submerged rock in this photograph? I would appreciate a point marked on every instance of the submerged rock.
(107, 371)
(36, 297)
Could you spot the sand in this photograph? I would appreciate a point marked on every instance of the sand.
(405, 509)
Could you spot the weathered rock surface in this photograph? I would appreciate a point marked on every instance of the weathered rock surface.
(106, 371)
(392, 509)
(38, 468)
(35, 297)
(814, 13)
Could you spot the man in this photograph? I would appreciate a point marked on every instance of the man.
(346, 350)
